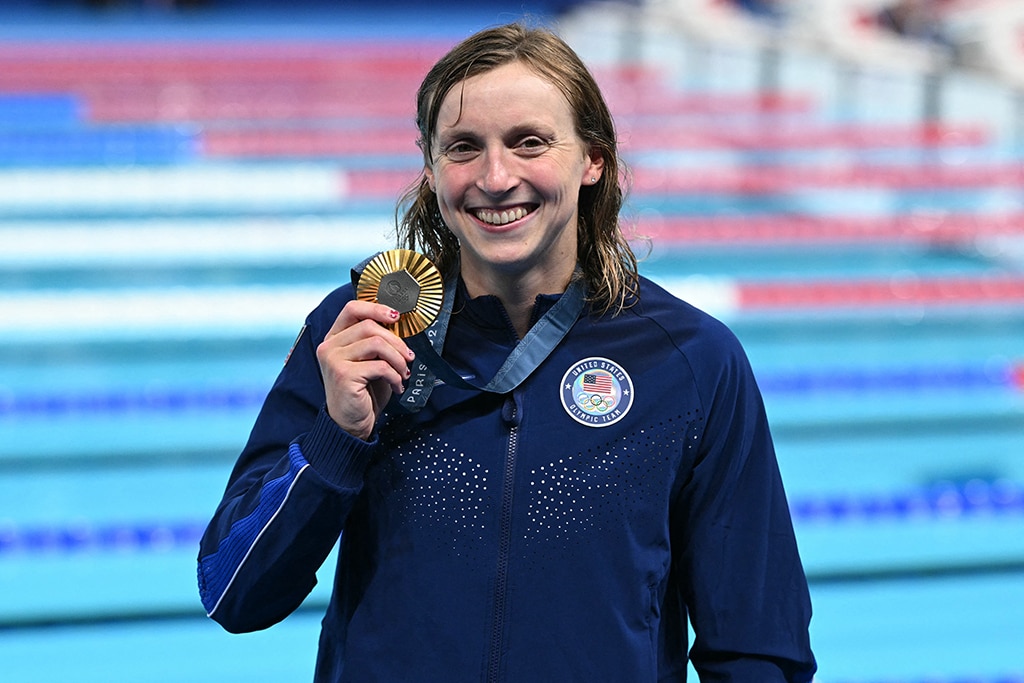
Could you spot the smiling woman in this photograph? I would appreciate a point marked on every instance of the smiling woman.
(558, 474)
(605, 258)
(507, 176)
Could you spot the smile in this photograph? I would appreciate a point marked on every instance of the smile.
(501, 217)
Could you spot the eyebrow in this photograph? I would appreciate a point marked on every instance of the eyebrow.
(541, 130)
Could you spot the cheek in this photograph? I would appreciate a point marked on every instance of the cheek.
(574, 172)
(449, 184)
(448, 199)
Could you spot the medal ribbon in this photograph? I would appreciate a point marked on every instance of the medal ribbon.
(527, 355)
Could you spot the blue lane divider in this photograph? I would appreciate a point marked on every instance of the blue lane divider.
(108, 145)
(948, 501)
(951, 377)
(85, 537)
(40, 109)
(230, 398)
(129, 401)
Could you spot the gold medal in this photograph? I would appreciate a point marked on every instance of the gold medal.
(406, 281)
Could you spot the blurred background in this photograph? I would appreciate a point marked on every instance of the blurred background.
(841, 181)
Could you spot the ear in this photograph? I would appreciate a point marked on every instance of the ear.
(429, 174)
(594, 167)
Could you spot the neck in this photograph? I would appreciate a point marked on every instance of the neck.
(520, 312)
(517, 295)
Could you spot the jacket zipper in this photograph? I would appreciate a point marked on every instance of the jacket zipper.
(504, 543)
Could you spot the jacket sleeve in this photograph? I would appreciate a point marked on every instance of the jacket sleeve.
(286, 501)
(744, 585)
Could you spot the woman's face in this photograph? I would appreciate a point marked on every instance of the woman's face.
(507, 172)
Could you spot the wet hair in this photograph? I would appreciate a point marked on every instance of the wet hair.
(607, 261)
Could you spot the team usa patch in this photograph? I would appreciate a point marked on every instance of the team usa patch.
(597, 392)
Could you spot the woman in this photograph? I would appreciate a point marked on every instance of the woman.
(592, 467)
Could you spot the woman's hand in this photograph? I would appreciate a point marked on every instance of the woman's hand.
(363, 364)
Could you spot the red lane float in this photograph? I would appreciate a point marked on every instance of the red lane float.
(71, 66)
(928, 228)
(251, 102)
(302, 142)
(897, 291)
(775, 136)
(377, 185)
(771, 179)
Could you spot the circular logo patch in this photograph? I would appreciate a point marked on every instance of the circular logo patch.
(597, 392)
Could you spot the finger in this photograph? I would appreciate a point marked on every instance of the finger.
(368, 337)
(376, 347)
(355, 401)
(356, 312)
(352, 379)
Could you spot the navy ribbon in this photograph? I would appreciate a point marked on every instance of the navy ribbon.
(528, 354)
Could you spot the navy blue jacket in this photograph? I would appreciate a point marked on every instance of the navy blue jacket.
(563, 532)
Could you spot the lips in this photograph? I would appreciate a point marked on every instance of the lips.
(501, 216)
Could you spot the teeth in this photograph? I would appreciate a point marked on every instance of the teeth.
(501, 217)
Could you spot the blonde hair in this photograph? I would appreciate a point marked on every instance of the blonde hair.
(607, 261)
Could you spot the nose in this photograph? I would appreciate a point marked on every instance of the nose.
(498, 174)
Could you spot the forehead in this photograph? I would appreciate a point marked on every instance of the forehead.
(510, 94)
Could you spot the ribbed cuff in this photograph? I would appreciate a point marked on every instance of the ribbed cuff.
(336, 455)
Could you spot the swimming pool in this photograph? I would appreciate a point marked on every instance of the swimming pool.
(152, 289)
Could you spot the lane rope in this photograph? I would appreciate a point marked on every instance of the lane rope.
(977, 499)
(171, 400)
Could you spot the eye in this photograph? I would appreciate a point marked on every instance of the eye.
(532, 146)
(460, 151)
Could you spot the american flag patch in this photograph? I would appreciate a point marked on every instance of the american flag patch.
(596, 392)
(601, 384)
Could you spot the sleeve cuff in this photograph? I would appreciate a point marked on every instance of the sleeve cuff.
(336, 455)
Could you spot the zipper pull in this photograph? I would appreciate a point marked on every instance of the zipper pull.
(510, 410)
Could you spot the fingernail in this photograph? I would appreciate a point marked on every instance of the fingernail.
(394, 314)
